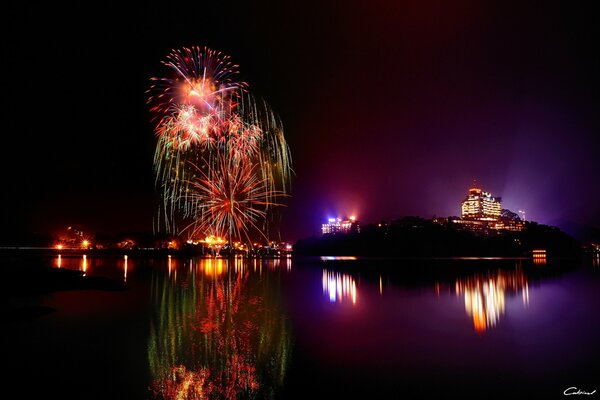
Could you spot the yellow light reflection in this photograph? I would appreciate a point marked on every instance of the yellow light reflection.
(539, 257)
(485, 296)
(215, 267)
(238, 264)
(84, 264)
(59, 261)
(539, 260)
(339, 287)
(125, 269)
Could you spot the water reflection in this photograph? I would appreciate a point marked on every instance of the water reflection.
(539, 257)
(84, 264)
(125, 268)
(339, 287)
(218, 331)
(485, 295)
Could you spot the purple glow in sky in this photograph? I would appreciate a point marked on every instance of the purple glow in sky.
(390, 109)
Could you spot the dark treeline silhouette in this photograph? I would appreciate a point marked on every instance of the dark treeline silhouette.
(417, 237)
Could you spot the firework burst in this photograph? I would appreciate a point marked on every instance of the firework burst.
(214, 141)
(230, 200)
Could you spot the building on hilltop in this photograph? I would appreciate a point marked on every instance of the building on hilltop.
(481, 205)
(483, 213)
(337, 225)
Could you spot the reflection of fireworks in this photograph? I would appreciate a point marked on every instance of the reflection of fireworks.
(216, 335)
(206, 118)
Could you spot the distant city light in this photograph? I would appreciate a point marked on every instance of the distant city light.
(337, 225)
(338, 258)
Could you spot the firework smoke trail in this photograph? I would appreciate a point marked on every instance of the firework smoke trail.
(211, 130)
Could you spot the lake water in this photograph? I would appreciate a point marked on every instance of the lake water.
(213, 328)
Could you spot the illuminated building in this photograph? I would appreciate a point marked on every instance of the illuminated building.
(337, 225)
(482, 213)
(481, 205)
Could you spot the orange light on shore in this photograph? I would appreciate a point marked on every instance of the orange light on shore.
(212, 240)
(59, 247)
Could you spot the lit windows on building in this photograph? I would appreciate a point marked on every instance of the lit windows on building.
(481, 205)
(482, 212)
(337, 225)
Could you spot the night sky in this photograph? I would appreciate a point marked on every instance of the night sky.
(390, 108)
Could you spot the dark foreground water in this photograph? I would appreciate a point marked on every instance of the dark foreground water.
(198, 328)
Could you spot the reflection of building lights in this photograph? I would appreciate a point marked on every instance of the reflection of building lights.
(539, 257)
(84, 264)
(125, 269)
(485, 296)
(338, 258)
(215, 267)
(339, 287)
(525, 294)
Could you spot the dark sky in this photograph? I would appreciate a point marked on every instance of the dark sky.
(390, 108)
